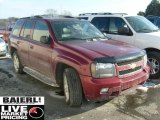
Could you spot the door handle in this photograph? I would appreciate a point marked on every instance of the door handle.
(31, 46)
(18, 42)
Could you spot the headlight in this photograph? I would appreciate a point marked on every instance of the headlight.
(145, 60)
(102, 70)
(3, 46)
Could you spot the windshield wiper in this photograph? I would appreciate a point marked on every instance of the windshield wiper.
(92, 38)
(75, 38)
(144, 30)
(68, 39)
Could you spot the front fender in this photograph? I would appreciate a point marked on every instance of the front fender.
(81, 66)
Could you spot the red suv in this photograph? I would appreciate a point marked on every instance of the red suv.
(75, 56)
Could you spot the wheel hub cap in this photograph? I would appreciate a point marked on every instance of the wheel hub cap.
(66, 89)
(16, 62)
(154, 65)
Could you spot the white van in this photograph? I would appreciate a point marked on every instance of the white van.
(135, 30)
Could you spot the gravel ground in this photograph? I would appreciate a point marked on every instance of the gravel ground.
(140, 104)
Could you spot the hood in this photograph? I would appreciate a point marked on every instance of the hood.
(99, 49)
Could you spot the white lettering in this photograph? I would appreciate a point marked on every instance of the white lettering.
(23, 109)
(15, 109)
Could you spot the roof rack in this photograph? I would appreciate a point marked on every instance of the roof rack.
(119, 13)
(36, 16)
(107, 13)
(47, 16)
(95, 14)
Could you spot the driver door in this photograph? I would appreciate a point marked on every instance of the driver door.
(110, 25)
(115, 24)
(40, 54)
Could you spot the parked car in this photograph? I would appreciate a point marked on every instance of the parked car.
(135, 30)
(154, 19)
(3, 47)
(75, 56)
(5, 32)
(5, 35)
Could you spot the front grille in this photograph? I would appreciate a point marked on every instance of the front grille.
(129, 70)
(129, 62)
(131, 67)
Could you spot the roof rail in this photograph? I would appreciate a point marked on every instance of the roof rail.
(47, 16)
(56, 16)
(107, 13)
(36, 16)
(120, 13)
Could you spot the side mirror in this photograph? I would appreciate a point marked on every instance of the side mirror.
(10, 29)
(123, 31)
(45, 40)
(104, 34)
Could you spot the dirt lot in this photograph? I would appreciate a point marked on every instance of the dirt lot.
(136, 105)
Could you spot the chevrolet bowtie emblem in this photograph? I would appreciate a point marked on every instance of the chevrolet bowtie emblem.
(133, 65)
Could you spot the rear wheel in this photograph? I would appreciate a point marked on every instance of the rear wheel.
(154, 59)
(72, 87)
(17, 64)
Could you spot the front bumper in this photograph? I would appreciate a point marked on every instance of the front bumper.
(92, 87)
(3, 52)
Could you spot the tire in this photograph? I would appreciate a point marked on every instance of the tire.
(17, 63)
(72, 88)
(3, 55)
(154, 59)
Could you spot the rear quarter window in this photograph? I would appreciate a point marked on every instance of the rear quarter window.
(17, 27)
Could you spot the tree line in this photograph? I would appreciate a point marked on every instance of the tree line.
(5, 22)
(152, 9)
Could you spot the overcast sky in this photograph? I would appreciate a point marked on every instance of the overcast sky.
(23, 8)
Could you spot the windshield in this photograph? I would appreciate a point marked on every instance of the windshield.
(66, 30)
(141, 24)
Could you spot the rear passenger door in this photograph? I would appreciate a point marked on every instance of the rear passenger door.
(23, 43)
(40, 53)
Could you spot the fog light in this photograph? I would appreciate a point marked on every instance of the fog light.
(104, 90)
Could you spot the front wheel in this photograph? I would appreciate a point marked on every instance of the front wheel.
(154, 59)
(72, 87)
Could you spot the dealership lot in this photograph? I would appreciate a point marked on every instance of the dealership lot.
(132, 106)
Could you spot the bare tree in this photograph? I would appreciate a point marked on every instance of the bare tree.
(51, 12)
(66, 12)
(141, 13)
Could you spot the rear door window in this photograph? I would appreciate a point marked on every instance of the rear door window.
(102, 23)
(17, 27)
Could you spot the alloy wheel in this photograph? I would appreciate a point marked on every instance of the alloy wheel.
(66, 88)
(155, 65)
(16, 62)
